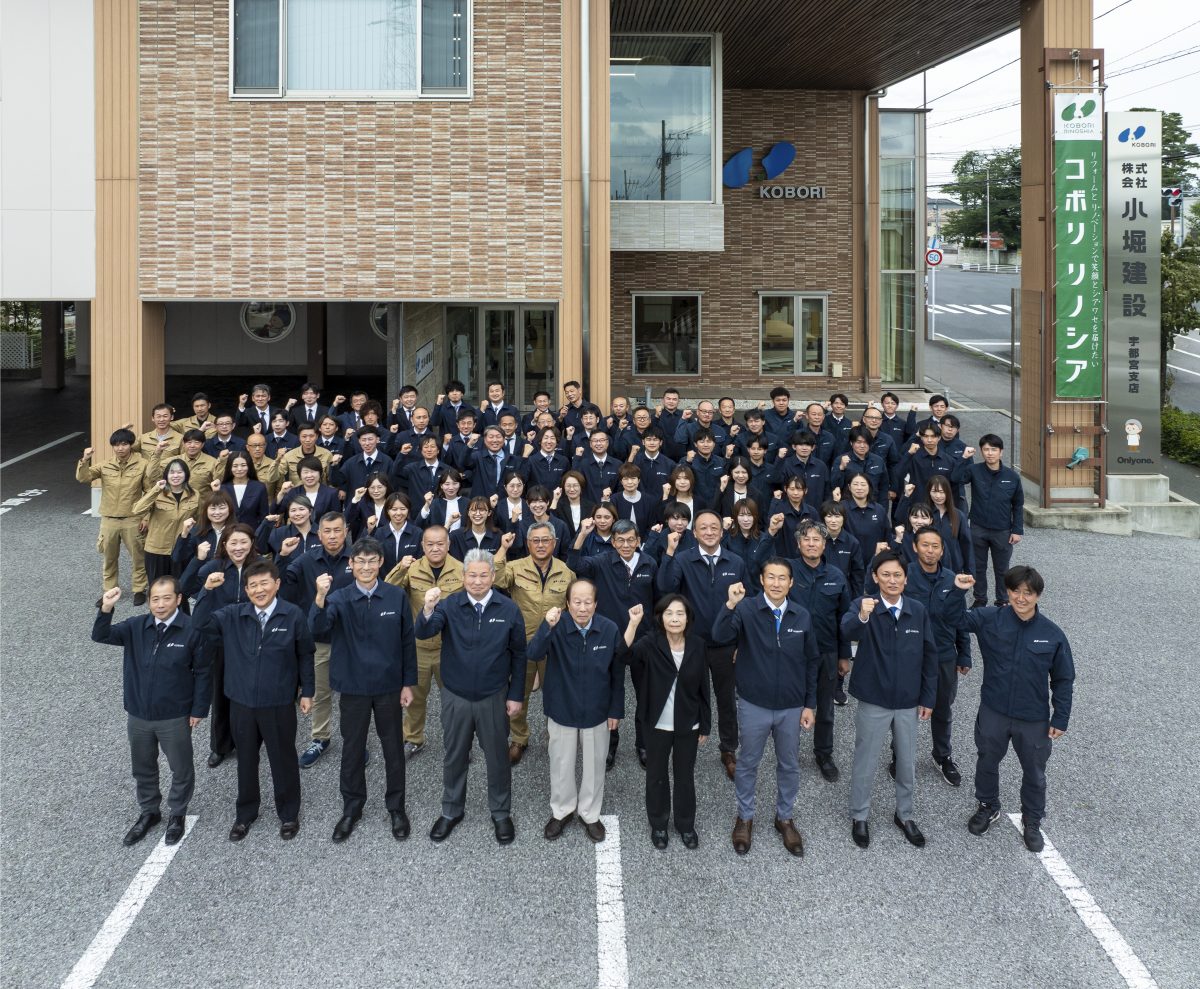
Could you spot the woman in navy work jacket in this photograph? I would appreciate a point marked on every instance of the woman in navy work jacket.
(249, 493)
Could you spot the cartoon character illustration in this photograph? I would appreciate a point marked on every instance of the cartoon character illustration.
(1133, 433)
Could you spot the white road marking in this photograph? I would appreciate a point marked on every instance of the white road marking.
(1176, 367)
(611, 961)
(47, 446)
(1115, 946)
(87, 970)
(994, 310)
(1180, 338)
(953, 307)
(20, 499)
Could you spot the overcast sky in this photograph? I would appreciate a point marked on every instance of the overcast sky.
(1131, 32)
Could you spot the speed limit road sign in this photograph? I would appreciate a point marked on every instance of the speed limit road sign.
(933, 257)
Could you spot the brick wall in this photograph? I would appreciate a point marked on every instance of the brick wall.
(334, 200)
(788, 245)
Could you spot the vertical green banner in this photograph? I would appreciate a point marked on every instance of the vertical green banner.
(1079, 245)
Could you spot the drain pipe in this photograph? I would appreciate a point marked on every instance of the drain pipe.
(585, 125)
(868, 261)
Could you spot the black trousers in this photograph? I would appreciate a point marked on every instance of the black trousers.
(220, 734)
(984, 541)
(679, 749)
(158, 565)
(355, 716)
(1031, 742)
(724, 682)
(942, 720)
(274, 727)
(826, 681)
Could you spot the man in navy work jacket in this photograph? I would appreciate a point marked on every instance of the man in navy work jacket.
(1028, 673)
(895, 682)
(584, 698)
(703, 574)
(166, 695)
(483, 685)
(821, 589)
(373, 667)
(268, 651)
(997, 516)
(777, 664)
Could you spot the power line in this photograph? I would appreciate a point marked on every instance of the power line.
(1111, 9)
(1165, 37)
(1167, 82)
(1157, 61)
(973, 81)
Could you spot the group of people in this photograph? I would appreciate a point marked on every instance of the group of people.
(754, 560)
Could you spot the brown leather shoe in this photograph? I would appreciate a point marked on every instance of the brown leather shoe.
(515, 753)
(554, 827)
(791, 837)
(741, 835)
(729, 761)
(595, 830)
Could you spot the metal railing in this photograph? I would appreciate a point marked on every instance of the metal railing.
(996, 269)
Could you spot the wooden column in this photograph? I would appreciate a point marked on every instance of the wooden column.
(1044, 24)
(127, 334)
(318, 359)
(600, 270)
(54, 346)
(570, 310)
(874, 249)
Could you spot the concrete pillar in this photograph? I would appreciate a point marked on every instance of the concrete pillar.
(570, 310)
(54, 346)
(1044, 24)
(395, 351)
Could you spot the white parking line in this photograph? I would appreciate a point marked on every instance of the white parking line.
(1176, 367)
(1116, 947)
(87, 970)
(61, 439)
(611, 960)
(1180, 338)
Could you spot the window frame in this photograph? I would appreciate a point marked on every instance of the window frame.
(274, 302)
(282, 94)
(798, 298)
(633, 300)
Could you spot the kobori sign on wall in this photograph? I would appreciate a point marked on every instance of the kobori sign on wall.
(423, 363)
(775, 162)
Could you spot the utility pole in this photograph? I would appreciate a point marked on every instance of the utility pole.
(665, 157)
(987, 172)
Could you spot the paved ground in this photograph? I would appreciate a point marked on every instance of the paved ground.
(962, 912)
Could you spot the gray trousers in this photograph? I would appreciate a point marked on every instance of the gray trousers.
(174, 737)
(462, 722)
(871, 724)
(754, 725)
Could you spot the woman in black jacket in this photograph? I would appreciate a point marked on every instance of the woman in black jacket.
(671, 672)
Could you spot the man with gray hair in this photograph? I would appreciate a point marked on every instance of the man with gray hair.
(483, 684)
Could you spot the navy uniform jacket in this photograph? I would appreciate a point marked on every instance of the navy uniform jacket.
(706, 590)
(482, 468)
(616, 589)
(547, 473)
(844, 554)
(997, 499)
(775, 670)
(417, 479)
(462, 540)
(686, 430)
(281, 444)
(445, 417)
(396, 546)
(708, 480)
(262, 666)
(873, 468)
(827, 444)
(410, 437)
(197, 573)
(325, 500)
(654, 543)
(785, 538)
(1027, 666)
(334, 444)
(645, 513)
(823, 592)
(896, 666)
(585, 675)
(163, 680)
(254, 505)
(372, 649)
(251, 416)
(352, 474)
(214, 445)
(481, 655)
(898, 429)
(491, 415)
(869, 525)
(598, 475)
(919, 467)
(815, 473)
(669, 423)
(945, 604)
(274, 536)
(655, 473)
(300, 578)
(754, 553)
(780, 427)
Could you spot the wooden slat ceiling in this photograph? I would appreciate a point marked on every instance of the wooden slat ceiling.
(825, 44)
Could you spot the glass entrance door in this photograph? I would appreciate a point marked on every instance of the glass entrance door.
(500, 352)
(539, 337)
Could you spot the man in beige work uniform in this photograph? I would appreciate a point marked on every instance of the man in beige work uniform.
(120, 488)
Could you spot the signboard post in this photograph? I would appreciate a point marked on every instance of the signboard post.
(1134, 159)
(1078, 246)
(933, 257)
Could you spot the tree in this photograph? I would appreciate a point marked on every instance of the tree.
(1181, 157)
(1180, 297)
(974, 172)
(1193, 223)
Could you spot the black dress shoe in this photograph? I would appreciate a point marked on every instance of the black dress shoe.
(690, 839)
(239, 830)
(289, 829)
(174, 830)
(505, 832)
(143, 824)
(828, 769)
(442, 827)
(911, 831)
(215, 759)
(344, 828)
(659, 839)
(139, 599)
(400, 826)
(861, 834)
(554, 827)
(642, 756)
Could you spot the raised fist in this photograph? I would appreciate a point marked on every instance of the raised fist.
(909, 489)
(202, 551)
(607, 494)
(494, 500)
(687, 414)
(865, 608)
(440, 399)
(339, 399)
(395, 405)
(87, 454)
(161, 484)
(914, 447)
(636, 613)
(586, 526)
(507, 540)
(428, 497)
(844, 461)
(372, 521)
(968, 453)
(242, 400)
(964, 581)
(432, 597)
(736, 593)
(552, 616)
(110, 598)
(215, 484)
(776, 523)
(724, 481)
(288, 546)
(673, 541)
(215, 580)
(323, 583)
(188, 525)
(358, 493)
(407, 561)
(288, 405)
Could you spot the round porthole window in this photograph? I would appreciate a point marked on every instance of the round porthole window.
(268, 322)
(379, 320)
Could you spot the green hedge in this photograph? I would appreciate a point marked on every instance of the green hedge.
(1181, 435)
